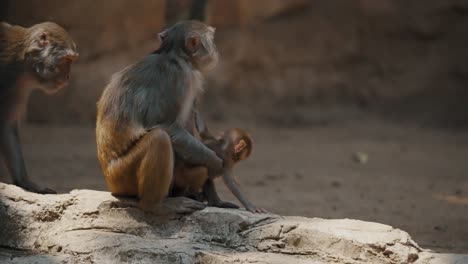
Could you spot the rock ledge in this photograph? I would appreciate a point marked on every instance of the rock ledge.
(94, 227)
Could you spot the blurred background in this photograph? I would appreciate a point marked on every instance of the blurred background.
(358, 108)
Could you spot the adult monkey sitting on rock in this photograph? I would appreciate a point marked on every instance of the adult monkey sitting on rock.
(142, 115)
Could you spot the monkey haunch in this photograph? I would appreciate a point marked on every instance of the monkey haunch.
(142, 115)
(233, 145)
(36, 57)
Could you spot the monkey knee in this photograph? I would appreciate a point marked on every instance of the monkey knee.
(160, 139)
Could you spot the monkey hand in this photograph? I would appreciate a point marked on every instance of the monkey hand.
(255, 210)
(32, 187)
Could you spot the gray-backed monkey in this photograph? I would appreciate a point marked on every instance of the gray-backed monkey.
(30, 58)
(142, 115)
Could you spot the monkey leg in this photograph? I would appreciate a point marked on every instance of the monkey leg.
(192, 177)
(154, 173)
(189, 181)
(145, 171)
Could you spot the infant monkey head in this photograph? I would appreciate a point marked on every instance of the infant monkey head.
(49, 53)
(193, 40)
(237, 143)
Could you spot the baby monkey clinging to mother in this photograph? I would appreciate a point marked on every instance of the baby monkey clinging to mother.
(234, 145)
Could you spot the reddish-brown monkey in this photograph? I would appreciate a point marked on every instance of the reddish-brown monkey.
(142, 117)
(36, 57)
(234, 145)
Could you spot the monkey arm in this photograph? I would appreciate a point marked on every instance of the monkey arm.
(10, 147)
(209, 191)
(202, 128)
(235, 189)
(192, 150)
(206, 137)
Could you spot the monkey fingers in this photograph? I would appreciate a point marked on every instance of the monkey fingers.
(251, 208)
(257, 210)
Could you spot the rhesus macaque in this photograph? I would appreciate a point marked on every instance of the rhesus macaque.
(36, 57)
(233, 145)
(142, 116)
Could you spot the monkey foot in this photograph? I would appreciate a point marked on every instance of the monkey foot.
(32, 187)
(222, 204)
(182, 205)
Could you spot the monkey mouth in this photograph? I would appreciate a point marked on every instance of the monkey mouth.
(63, 77)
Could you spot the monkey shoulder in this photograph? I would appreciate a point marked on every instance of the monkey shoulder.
(152, 89)
(170, 66)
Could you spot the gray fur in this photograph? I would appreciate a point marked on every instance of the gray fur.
(159, 91)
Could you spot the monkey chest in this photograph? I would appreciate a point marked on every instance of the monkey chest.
(191, 126)
(185, 108)
(186, 103)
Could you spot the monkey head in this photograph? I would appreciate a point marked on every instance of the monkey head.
(238, 143)
(193, 40)
(49, 53)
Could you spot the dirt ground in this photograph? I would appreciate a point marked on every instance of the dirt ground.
(412, 178)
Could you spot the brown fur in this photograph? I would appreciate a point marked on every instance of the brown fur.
(38, 57)
(42, 54)
(234, 145)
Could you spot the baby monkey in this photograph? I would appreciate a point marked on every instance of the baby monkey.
(233, 145)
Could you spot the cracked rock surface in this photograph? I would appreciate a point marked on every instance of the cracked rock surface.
(94, 227)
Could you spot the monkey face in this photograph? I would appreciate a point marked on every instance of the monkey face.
(206, 54)
(238, 143)
(50, 54)
(193, 40)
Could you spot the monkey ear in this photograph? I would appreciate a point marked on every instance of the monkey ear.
(240, 146)
(192, 43)
(161, 36)
(44, 39)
